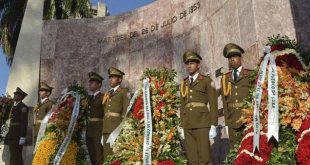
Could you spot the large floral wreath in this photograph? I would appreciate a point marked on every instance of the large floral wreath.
(293, 146)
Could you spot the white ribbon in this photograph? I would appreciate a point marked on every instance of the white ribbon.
(43, 127)
(147, 145)
(5, 129)
(273, 108)
(47, 117)
(75, 113)
(273, 114)
(113, 136)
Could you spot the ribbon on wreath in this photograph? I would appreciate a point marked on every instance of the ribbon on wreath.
(273, 109)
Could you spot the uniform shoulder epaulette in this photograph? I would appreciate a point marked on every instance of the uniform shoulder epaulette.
(227, 73)
(201, 76)
(250, 70)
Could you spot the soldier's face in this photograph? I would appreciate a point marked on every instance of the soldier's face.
(114, 81)
(234, 61)
(94, 86)
(18, 97)
(43, 94)
(192, 67)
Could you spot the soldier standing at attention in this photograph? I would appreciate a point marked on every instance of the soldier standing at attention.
(16, 137)
(235, 87)
(94, 119)
(197, 118)
(115, 101)
(42, 108)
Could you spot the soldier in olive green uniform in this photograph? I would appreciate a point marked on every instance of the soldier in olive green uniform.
(115, 102)
(235, 87)
(94, 120)
(16, 137)
(42, 108)
(199, 114)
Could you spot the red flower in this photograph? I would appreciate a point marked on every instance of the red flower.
(116, 162)
(247, 159)
(166, 162)
(138, 109)
(158, 86)
(290, 60)
(265, 149)
(305, 125)
(278, 47)
(303, 150)
(160, 105)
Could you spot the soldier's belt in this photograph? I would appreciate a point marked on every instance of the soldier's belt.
(113, 114)
(195, 104)
(14, 124)
(95, 119)
(234, 105)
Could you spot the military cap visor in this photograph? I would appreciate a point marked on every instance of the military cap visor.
(231, 50)
(115, 72)
(94, 77)
(45, 87)
(191, 57)
(20, 92)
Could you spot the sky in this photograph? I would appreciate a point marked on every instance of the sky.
(115, 7)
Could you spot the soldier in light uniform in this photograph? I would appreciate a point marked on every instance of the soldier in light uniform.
(235, 87)
(199, 113)
(115, 101)
(16, 137)
(94, 116)
(42, 108)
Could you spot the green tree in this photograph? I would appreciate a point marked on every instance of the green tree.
(12, 13)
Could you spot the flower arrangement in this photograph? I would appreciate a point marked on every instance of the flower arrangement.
(57, 129)
(166, 148)
(294, 106)
(6, 103)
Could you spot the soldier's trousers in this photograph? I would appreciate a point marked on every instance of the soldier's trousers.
(95, 150)
(107, 150)
(197, 146)
(16, 151)
(234, 136)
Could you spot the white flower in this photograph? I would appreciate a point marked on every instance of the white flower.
(167, 148)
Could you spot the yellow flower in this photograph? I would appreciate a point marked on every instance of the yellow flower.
(296, 123)
(154, 162)
(70, 155)
(45, 150)
(287, 120)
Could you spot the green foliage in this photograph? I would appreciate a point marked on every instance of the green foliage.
(283, 40)
(163, 73)
(232, 155)
(12, 13)
(292, 44)
(78, 88)
(284, 151)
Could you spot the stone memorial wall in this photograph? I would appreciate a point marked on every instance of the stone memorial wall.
(157, 35)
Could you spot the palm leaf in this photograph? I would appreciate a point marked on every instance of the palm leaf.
(12, 13)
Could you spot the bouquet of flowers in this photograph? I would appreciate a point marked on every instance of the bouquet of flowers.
(166, 148)
(294, 106)
(6, 103)
(63, 139)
